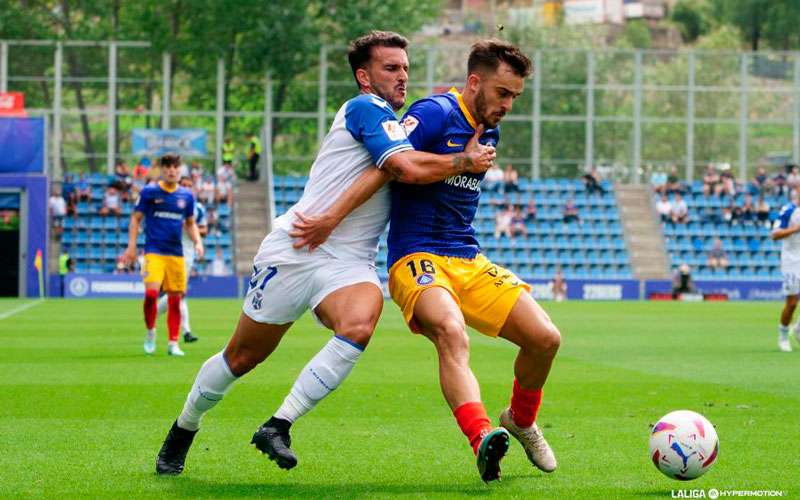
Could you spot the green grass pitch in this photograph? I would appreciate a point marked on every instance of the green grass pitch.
(84, 410)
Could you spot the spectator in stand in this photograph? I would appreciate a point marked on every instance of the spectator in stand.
(748, 211)
(682, 281)
(530, 210)
(728, 182)
(727, 215)
(502, 222)
(142, 169)
(592, 181)
(69, 194)
(760, 183)
(736, 213)
(658, 179)
(218, 265)
(208, 192)
(674, 184)
(122, 179)
(762, 212)
(793, 179)
(493, 179)
(779, 182)
(58, 209)
(570, 212)
(253, 155)
(711, 182)
(212, 220)
(717, 259)
(559, 286)
(112, 202)
(518, 223)
(664, 208)
(196, 169)
(83, 190)
(226, 176)
(510, 179)
(680, 211)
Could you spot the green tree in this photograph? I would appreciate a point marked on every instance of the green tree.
(690, 18)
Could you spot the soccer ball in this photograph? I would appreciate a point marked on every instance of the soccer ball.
(683, 445)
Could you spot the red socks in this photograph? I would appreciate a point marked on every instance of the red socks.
(173, 316)
(474, 422)
(150, 308)
(525, 405)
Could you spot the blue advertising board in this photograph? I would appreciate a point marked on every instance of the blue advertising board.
(78, 285)
(22, 145)
(157, 142)
(589, 289)
(735, 290)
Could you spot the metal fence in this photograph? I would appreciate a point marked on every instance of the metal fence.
(625, 111)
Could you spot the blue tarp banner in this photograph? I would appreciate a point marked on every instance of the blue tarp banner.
(157, 142)
(131, 286)
(21, 145)
(735, 290)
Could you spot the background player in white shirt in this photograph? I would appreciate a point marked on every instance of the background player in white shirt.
(338, 281)
(188, 261)
(787, 227)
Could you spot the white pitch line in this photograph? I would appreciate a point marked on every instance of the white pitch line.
(18, 309)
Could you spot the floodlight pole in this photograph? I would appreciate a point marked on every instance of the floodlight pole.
(796, 112)
(57, 79)
(112, 107)
(322, 101)
(637, 117)
(220, 115)
(743, 117)
(166, 77)
(536, 168)
(4, 67)
(588, 158)
(690, 118)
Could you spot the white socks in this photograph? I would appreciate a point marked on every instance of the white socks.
(162, 308)
(321, 376)
(783, 332)
(211, 384)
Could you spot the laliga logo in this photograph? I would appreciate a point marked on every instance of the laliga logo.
(79, 287)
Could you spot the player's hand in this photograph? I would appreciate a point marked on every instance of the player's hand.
(481, 157)
(129, 256)
(199, 251)
(312, 230)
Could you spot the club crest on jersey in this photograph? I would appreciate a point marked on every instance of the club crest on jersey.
(424, 279)
(181, 203)
(394, 131)
(409, 124)
(257, 300)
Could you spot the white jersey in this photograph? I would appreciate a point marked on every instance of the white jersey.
(365, 132)
(186, 241)
(790, 246)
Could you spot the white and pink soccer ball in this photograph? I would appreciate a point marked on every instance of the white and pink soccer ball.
(683, 445)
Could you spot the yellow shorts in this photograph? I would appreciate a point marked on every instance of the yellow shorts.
(165, 269)
(485, 292)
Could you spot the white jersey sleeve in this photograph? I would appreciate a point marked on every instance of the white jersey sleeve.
(364, 133)
(790, 246)
(200, 220)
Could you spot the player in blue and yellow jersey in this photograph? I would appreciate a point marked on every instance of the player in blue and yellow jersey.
(441, 280)
(166, 209)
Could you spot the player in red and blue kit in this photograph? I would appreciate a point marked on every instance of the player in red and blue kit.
(442, 282)
(166, 209)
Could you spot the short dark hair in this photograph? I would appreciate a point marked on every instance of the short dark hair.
(360, 50)
(489, 53)
(170, 159)
(185, 178)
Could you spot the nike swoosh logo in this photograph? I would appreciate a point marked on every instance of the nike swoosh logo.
(452, 144)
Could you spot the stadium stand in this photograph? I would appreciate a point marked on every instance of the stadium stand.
(750, 251)
(95, 242)
(593, 248)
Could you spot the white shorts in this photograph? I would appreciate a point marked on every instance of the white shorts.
(791, 282)
(286, 282)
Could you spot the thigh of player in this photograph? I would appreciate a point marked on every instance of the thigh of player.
(412, 275)
(174, 274)
(348, 299)
(154, 270)
(489, 296)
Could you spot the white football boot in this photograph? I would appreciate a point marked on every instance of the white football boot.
(174, 350)
(539, 452)
(784, 344)
(149, 344)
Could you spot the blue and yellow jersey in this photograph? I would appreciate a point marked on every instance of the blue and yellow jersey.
(164, 212)
(437, 218)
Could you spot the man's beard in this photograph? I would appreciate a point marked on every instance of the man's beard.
(480, 110)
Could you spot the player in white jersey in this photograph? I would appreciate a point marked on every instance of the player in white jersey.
(338, 281)
(188, 261)
(786, 229)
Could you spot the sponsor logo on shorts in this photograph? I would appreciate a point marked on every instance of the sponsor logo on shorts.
(424, 279)
(257, 300)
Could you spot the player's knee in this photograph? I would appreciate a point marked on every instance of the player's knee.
(359, 331)
(241, 361)
(549, 340)
(451, 338)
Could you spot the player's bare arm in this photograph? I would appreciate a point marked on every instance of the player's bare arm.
(780, 234)
(313, 230)
(129, 256)
(419, 167)
(194, 234)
